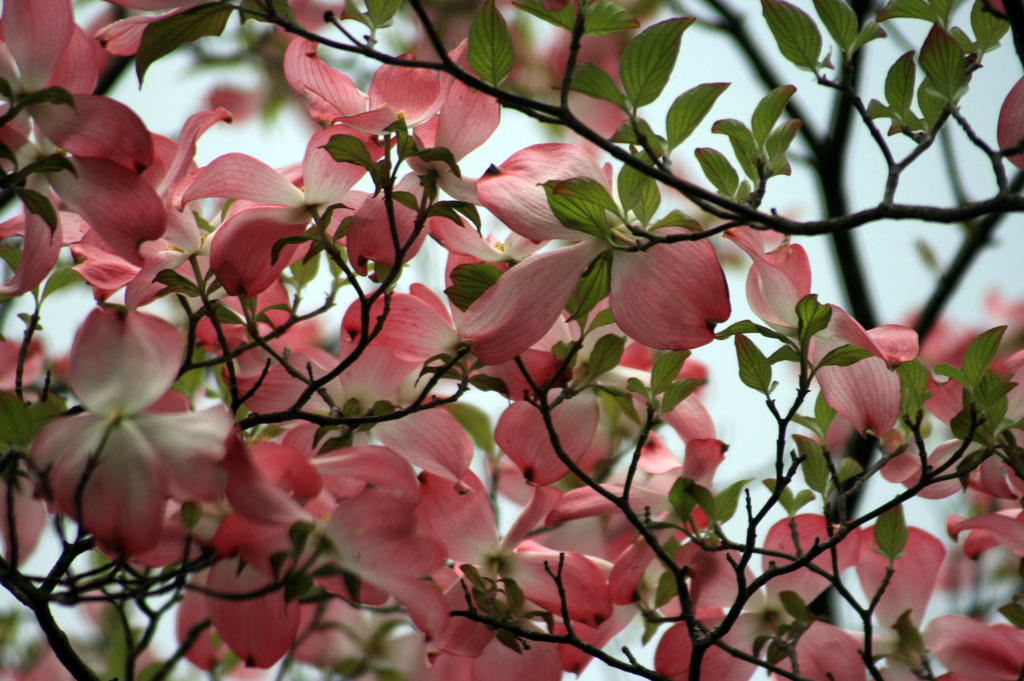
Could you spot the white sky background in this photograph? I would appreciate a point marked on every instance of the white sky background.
(900, 281)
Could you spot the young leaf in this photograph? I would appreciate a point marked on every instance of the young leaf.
(909, 9)
(988, 28)
(768, 111)
(795, 32)
(605, 17)
(813, 317)
(891, 533)
(844, 356)
(814, 466)
(666, 368)
(638, 193)
(718, 170)
(728, 500)
(491, 52)
(689, 109)
(943, 60)
(606, 354)
(979, 355)
(677, 392)
(563, 18)
(755, 371)
(899, 84)
(580, 204)
(349, 149)
(381, 12)
(160, 38)
(841, 22)
(469, 282)
(593, 81)
(594, 286)
(39, 204)
(649, 58)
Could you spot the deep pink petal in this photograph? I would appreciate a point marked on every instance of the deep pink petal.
(258, 629)
(415, 94)
(866, 393)
(97, 127)
(326, 180)
(523, 437)
(827, 653)
(79, 65)
(462, 521)
(519, 309)
(120, 206)
(467, 120)
(243, 248)
(672, 657)
(1010, 130)
(500, 663)
(585, 585)
(669, 296)
(39, 253)
(912, 583)
(810, 529)
(777, 280)
(348, 471)
(370, 235)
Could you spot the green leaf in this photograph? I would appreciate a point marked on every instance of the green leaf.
(594, 286)
(62, 278)
(638, 193)
(747, 326)
(988, 28)
(824, 415)
(689, 109)
(718, 170)
(606, 355)
(908, 9)
(349, 149)
(580, 204)
(728, 500)
(795, 32)
(1013, 612)
(979, 355)
(848, 468)
(381, 12)
(439, 154)
(844, 356)
(891, 533)
(944, 62)
(778, 144)
(899, 84)
(667, 589)
(795, 606)
(682, 502)
(469, 282)
(747, 151)
(160, 38)
(814, 466)
(755, 371)
(840, 21)
(649, 59)
(476, 422)
(563, 18)
(19, 422)
(39, 204)
(593, 81)
(870, 31)
(666, 368)
(605, 17)
(768, 111)
(491, 52)
(813, 317)
(677, 392)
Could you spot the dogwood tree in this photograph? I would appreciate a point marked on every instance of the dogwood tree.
(278, 442)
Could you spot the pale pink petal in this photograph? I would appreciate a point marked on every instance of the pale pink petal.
(122, 38)
(992, 528)
(185, 150)
(866, 393)
(584, 502)
(1010, 130)
(515, 194)
(462, 521)
(523, 437)
(36, 32)
(672, 658)
(79, 65)
(777, 280)
(518, 310)
(468, 118)
(122, 362)
(542, 502)
(347, 472)
(670, 296)
(827, 653)
(240, 176)
(431, 440)
(330, 94)
(414, 94)
(413, 331)
(326, 180)
(691, 420)
(978, 651)
(191, 446)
